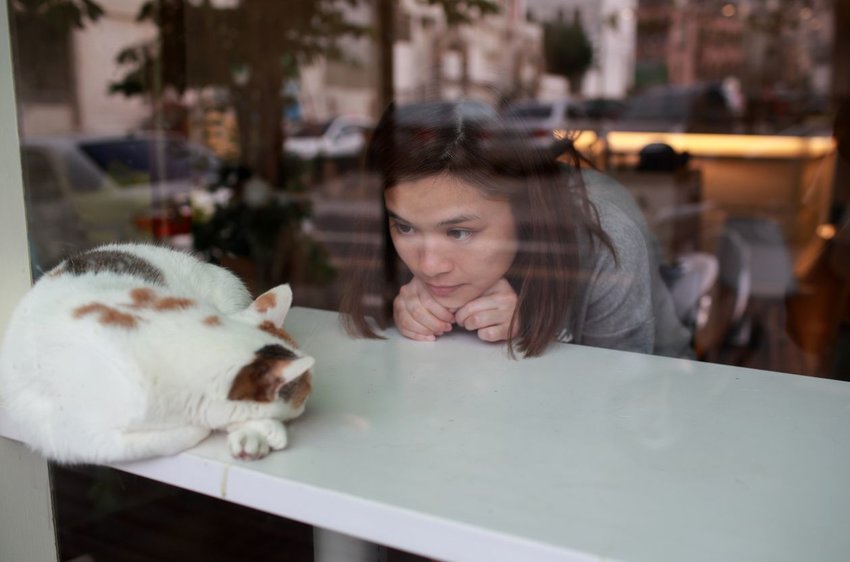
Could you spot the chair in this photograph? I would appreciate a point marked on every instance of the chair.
(771, 269)
(727, 303)
(757, 264)
(695, 275)
(734, 272)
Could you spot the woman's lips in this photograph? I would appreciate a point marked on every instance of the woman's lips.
(442, 290)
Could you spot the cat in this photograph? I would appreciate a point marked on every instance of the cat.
(130, 351)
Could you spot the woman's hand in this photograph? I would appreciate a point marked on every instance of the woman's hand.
(490, 314)
(418, 316)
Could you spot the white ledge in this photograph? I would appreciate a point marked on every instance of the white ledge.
(451, 450)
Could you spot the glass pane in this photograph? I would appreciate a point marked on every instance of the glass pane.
(83, 176)
(41, 176)
(660, 176)
(128, 161)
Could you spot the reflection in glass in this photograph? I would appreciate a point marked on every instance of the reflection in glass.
(263, 114)
(237, 129)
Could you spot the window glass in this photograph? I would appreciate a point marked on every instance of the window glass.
(349, 130)
(206, 119)
(82, 176)
(530, 111)
(40, 175)
(687, 194)
(475, 110)
(130, 161)
(575, 111)
(310, 129)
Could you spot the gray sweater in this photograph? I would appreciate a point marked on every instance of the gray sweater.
(623, 304)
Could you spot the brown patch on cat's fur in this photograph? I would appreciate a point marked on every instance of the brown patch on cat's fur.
(108, 316)
(261, 379)
(296, 392)
(270, 328)
(146, 298)
(142, 297)
(173, 303)
(212, 321)
(265, 303)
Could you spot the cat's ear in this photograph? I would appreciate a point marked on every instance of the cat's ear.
(298, 367)
(264, 379)
(273, 305)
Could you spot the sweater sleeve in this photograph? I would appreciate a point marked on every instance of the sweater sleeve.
(619, 311)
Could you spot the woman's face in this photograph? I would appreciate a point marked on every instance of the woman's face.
(452, 238)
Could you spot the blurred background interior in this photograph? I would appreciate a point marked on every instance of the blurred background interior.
(235, 128)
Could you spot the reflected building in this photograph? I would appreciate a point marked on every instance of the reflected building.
(654, 22)
(788, 44)
(329, 87)
(766, 44)
(682, 42)
(494, 57)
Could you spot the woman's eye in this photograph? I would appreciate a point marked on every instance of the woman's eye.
(459, 234)
(402, 228)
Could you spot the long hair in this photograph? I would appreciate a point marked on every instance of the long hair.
(548, 198)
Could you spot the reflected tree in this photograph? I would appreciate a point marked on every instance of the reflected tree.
(568, 51)
(41, 43)
(249, 48)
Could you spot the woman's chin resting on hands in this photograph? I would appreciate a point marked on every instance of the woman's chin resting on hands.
(418, 316)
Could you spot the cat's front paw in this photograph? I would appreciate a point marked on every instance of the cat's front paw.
(253, 440)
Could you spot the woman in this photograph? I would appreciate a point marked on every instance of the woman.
(507, 242)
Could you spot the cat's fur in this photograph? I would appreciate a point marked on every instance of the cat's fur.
(131, 351)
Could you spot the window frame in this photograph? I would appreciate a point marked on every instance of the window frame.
(26, 533)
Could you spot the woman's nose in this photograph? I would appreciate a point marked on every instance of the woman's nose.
(434, 260)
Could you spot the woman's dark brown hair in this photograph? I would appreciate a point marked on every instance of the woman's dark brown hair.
(553, 214)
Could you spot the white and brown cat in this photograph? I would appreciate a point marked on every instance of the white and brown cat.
(132, 351)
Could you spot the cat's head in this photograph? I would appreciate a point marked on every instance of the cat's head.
(277, 370)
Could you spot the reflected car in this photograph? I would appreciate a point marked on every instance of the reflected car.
(435, 113)
(414, 121)
(84, 191)
(538, 125)
(342, 137)
(602, 109)
(541, 124)
(419, 122)
(701, 108)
